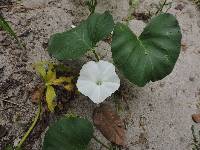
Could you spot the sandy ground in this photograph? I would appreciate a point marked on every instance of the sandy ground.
(159, 117)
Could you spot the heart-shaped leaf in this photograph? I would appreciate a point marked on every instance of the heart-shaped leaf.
(70, 133)
(76, 42)
(110, 124)
(152, 55)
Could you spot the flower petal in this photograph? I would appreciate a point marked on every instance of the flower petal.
(86, 87)
(90, 89)
(110, 87)
(89, 72)
(94, 72)
(107, 70)
(95, 96)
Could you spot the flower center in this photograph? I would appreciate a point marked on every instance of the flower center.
(99, 82)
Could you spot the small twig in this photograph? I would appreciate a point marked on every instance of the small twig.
(97, 57)
(97, 140)
(31, 127)
(7, 101)
(161, 7)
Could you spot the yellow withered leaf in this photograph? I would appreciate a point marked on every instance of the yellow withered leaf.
(51, 73)
(50, 98)
(40, 69)
(69, 87)
(44, 69)
(61, 80)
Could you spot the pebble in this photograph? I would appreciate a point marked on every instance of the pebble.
(196, 118)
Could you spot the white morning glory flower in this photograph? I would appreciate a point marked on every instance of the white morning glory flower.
(98, 80)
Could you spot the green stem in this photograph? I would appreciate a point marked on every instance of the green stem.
(96, 56)
(132, 6)
(97, 140)
(91, 5)
(31, 127)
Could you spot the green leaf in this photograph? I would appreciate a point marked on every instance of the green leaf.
(6, 27)
(68, 134)
(152, 55)
(76, 42)
(50, 98)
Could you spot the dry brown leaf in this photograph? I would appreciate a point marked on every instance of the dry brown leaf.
(110, 124)
(37, 94)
